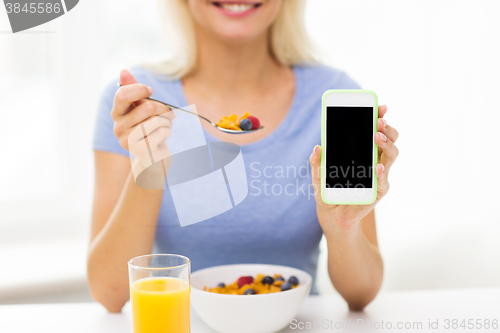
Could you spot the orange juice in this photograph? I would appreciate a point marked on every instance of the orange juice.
(160, 304)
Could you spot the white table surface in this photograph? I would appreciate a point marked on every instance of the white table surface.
(396, 307)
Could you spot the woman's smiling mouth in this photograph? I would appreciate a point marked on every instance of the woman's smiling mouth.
(233, 8)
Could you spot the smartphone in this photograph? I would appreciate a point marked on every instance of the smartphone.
(349, 153)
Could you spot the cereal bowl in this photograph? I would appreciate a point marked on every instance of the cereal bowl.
(263, 313)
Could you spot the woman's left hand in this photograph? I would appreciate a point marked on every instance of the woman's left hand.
(348, 215)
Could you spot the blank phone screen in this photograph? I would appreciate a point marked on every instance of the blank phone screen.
(349, 147)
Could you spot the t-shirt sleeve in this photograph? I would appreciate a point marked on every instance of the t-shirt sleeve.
(104, 137)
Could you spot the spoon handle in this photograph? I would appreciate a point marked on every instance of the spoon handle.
(175, 107)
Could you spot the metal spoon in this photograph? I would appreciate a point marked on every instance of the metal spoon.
(225, 130)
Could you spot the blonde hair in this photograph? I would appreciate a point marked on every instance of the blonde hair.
(289, 43)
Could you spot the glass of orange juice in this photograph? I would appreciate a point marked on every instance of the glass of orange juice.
(159, 292)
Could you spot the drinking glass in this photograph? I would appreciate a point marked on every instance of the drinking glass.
(159, 293)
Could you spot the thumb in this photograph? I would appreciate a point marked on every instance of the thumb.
(315, 160)
(126, 78)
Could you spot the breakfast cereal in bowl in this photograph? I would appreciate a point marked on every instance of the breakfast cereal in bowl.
(261, 284)
(249, 298)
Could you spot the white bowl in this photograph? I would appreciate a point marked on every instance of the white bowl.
(263, 313)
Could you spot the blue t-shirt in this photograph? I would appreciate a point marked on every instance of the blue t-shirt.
(276, 223)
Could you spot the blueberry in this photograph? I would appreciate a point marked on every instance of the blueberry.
(293, 280)
(249, 291)
(267, 280)
(286, 286)
(245, 124)
(221, 285)
(280, 278)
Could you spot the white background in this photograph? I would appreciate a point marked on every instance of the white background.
(434, 63)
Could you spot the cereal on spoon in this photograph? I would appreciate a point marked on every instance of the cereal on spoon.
(245, 123)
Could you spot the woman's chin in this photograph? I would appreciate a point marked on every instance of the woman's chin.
(237, 39)
(238, 36)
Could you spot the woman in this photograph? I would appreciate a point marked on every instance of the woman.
(238, 56)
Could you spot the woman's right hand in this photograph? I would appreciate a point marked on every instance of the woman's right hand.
(139, 123)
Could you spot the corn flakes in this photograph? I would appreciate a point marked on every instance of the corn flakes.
(261, 284)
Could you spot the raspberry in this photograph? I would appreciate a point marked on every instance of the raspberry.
(244, 280)
(255, 122)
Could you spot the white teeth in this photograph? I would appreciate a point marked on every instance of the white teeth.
(237, 8)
